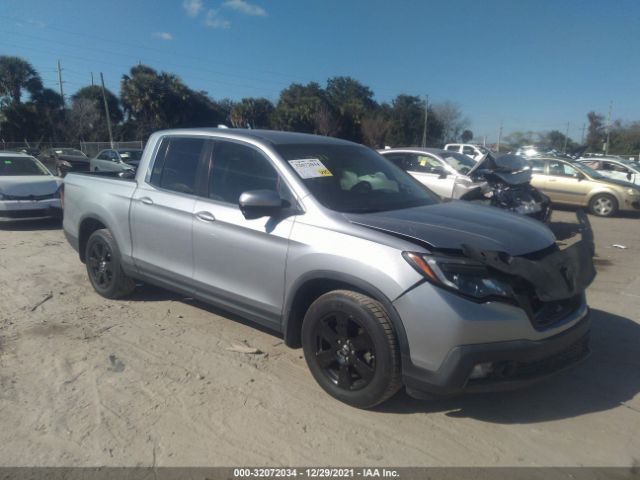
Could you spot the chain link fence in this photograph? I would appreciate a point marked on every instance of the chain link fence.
(90, 149)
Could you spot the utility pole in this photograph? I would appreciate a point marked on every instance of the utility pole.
(106, 111)
(426, 116)
(60, 81)
(606, 145)
(584, 126)
(484, 141)
(499, 137)
(566, 139)
(92, 79)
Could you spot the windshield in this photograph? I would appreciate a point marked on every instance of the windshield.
(69, 151)
(460, 163)
(354, 179)
(130, 154)
(14, 166)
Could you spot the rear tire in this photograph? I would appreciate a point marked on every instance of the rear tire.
(351, 348)
(603, 205)
(102, 259)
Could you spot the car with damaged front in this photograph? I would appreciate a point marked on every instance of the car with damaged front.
(501, 181)
(332, 246)
(27, 189)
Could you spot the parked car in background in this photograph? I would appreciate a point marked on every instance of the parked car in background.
(474, 151)
(340, 251)
(615, 168)
(115, 160)
(574, 183)
(502, 181)
(27, 188)
(64, 160)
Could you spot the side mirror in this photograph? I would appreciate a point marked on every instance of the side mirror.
(261, 203)
(580, 176)
(629, 175)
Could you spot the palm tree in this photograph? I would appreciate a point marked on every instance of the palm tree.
(16, 75)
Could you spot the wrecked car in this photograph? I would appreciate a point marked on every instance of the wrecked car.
(499, 181)
(332, 246)
(27, 189)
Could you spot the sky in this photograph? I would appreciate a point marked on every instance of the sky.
(526, 64)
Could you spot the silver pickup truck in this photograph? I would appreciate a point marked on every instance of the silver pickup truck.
(341, 252)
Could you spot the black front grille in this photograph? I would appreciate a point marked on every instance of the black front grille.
(31, 197)
(546, 314)
(79, 166)
(42, 212)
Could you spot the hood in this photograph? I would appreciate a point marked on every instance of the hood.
(453, 224)
(620, 183)
(512, 169)
(24, 186)
(73, 158)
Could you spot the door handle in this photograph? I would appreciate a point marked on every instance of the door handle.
(146, 201)
(553, 180)
(205, 216)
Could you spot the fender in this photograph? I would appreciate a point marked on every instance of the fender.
(291, 326)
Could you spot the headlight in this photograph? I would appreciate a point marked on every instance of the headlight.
(463, 276)
(65, 164)
(632, 192)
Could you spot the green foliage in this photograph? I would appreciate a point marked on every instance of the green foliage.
(298, 107)
(252, 113)
(154, 101)
(17, 75)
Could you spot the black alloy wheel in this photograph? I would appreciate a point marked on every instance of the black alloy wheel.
(102, 259)
(351, 348)
(99, 264)
(344, 351)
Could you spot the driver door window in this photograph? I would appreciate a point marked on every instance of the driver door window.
(561, 169)
(239, 168)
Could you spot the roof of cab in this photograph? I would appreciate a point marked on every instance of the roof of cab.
(274, 137)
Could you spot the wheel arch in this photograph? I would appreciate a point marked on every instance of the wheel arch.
(316, 283)
(88, 225)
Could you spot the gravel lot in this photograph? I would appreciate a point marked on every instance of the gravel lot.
(150, 381)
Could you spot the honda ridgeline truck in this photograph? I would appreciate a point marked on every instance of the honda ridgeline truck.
(343, 253)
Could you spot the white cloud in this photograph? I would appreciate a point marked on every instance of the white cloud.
(213, 20)
(192, 7)
(163, 35)
(245, 7)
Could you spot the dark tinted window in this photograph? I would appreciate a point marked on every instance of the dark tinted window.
(537, 166)
(239, 168)
(15, 166)
(468, 150)
(177, 163)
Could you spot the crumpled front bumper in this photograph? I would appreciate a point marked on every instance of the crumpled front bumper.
(554, 275)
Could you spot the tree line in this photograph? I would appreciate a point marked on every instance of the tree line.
(151, 100)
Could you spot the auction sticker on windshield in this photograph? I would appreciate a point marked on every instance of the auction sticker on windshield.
(310, 168)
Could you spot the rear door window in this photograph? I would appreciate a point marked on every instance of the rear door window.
(177, 164)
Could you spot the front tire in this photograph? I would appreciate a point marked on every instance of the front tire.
(351, 348)
(603, 205)
(102, 259)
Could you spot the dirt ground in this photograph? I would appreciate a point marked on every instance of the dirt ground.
(150, 381)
